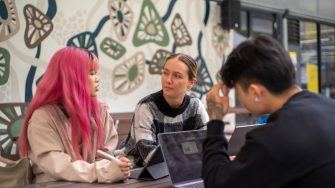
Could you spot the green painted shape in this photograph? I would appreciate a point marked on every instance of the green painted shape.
(9, 112)
(122, 84)
(148, 29)
(220, 38)
(84, 40)
(161, 62)
(16, 128)
(3, 132)
(8, 147)
(133, 72)
(3, 121)
(112, 48)
(4, 66)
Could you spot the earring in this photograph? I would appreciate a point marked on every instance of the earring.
(257, 99)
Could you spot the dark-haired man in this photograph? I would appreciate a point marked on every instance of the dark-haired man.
(297, 146)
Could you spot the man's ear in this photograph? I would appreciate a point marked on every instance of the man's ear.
(256, 90)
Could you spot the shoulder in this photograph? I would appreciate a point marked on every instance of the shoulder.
(45, 111)
(147, 106)
(149, 102)
(196, 103)
(305, 98)
(151, 97)
(194, 100)
(45, 117)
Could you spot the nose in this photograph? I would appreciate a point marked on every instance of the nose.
(97, 80)
(169, 79)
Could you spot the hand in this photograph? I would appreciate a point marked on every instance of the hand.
(217, 106)
(124, 165)
(232, 157)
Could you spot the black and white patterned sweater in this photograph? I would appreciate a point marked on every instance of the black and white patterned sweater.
(153, 115)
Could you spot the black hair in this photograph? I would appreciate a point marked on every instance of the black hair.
(261, 60)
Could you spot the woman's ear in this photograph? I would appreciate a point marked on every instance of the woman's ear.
(191, 83)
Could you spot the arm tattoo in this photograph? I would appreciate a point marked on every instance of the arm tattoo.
(215, 110)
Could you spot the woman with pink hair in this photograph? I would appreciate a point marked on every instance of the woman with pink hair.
(66, 124)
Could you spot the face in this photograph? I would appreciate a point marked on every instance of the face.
(93, 83)
(175, 80)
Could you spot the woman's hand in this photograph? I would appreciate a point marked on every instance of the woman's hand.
(124, 165)
(217, 105)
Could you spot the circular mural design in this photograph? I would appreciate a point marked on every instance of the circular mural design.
(11, 119)
(220, 40)
(9, 20)
(122, 18)
(84, 40)
(129, 75)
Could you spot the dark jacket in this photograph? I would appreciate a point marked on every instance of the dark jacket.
(295, 149)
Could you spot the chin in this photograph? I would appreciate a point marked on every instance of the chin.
(167, 93)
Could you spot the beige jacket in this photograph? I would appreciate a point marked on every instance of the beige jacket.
(51, 152)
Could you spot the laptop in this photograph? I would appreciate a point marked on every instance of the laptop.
(238, 137)
(155, 168)
(182, 152)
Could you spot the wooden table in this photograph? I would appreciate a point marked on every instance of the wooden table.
(130, 183)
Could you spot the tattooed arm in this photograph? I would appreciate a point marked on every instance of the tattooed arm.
(215, 145)
(217, 106)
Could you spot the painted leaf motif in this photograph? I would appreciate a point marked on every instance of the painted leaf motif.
(158, 61)
(150, 27)
(220, 40)
(4, 66)
(38, 26)
(112, 48)
(179, 31)
(204, 81)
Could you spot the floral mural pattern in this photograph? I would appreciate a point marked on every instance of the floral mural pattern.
(130, 37)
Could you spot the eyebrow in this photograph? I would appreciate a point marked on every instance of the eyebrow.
(173, 71)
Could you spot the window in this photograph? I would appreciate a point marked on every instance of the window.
(327, 65)
(309, 61)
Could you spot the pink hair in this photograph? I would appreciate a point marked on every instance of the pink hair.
(65, 82)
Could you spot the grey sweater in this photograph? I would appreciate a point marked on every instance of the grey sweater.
(153, 115)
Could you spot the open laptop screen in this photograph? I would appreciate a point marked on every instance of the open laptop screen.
(182, 152)
(237, 140)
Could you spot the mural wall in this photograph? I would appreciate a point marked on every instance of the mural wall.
(131, 38)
